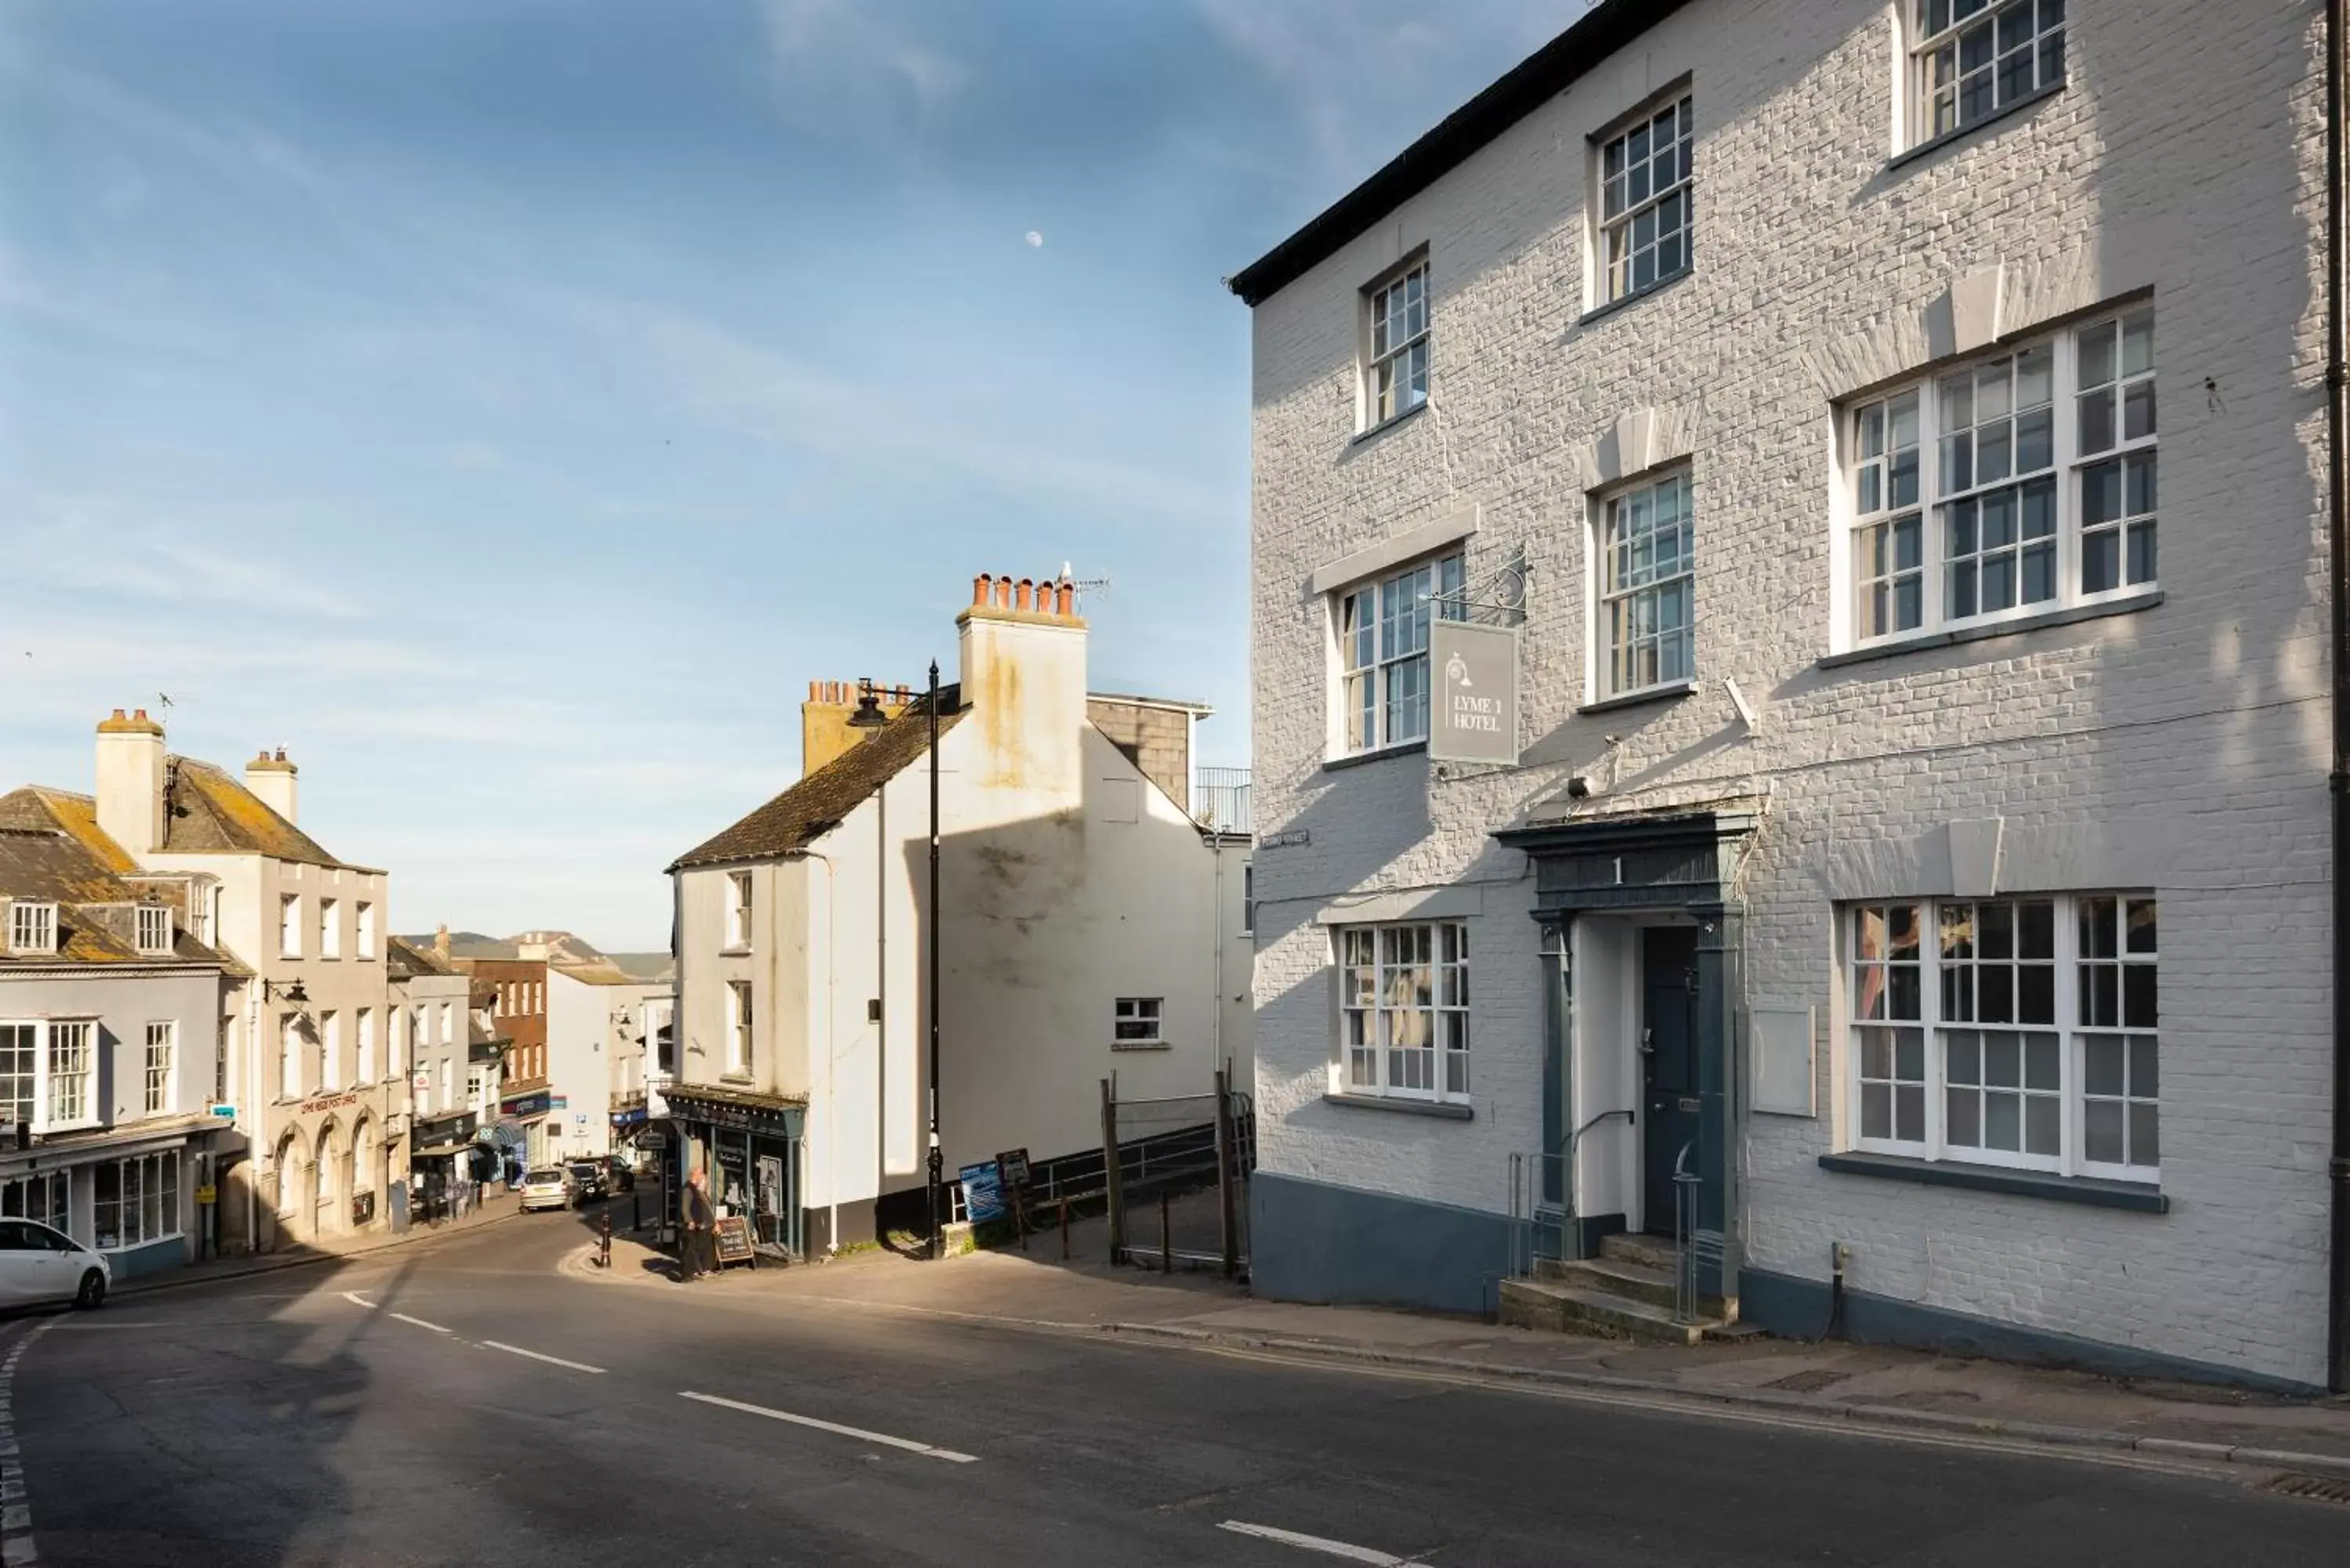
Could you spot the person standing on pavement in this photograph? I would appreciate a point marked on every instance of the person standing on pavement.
(694, 1235)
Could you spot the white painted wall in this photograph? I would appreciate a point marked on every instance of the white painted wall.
(2182, 748)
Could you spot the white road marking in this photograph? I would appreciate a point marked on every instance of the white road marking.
(1352, 1553)
(418, 1321)
(536, 1355)
(908, 1444)
(362, 1301)
(17, 1545)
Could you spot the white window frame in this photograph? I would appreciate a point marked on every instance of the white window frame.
(331, 1050)
(1943, 66)
(366, 920)
(363, 1043)
(1869, 478)
(33, 926)
(1377, 1053)
(154, 930)
(1248, 898)
(1635, 197)
(43, 1195)
(290, 1052)
(136, 1180)
(1936, 1028)
(1138, 1022)
(72, 1041)
(1382, 626)
(26, 1050)
(162, 1078)
(739, 1017)
(739, 896)
(207, 904)
(1398, 344)
(289, 925)
(331, 928)
(231, 1034)
(447, 1021)
(1626, 584)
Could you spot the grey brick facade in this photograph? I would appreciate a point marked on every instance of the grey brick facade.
(2178, 745)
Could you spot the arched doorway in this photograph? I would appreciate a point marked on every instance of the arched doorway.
(333, 1182)
(287, 1201)
(367, 1173)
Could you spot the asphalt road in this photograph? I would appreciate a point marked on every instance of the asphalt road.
(461, 1402)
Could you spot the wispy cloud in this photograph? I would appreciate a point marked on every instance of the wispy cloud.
(1344, 66)
(822, 49)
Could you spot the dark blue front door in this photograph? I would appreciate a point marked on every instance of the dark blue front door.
(1668, 1064)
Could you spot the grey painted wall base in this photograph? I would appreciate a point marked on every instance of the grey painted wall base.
(1310, 1241)
(154, 1258)
(1798, 1309)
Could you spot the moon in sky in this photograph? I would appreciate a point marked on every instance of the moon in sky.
(1036, 240)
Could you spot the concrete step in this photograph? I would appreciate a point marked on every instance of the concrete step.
(1613, 1276)
(1648, 1251)
(1560, 1308)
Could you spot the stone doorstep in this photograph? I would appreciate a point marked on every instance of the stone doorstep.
(1563, 1308)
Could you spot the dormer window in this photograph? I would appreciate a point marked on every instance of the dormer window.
(154, 930)
(32, 928)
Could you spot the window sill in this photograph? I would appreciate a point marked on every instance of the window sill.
(1949, 137)
(2097, 610)
(1373, 432)
(1377, 753)
(1671, 691)
(735, 949)
(1446, 1110)
(2090, 1190)
(1141, 1045)
(737, 1080)
(1601, 312)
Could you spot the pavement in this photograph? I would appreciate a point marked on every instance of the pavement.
(488, 1396)
(486, 1210)
(1875, 1385)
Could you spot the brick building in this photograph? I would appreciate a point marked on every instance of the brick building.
(1895, 844)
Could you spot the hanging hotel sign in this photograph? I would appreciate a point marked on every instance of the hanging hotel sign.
(1476, 719)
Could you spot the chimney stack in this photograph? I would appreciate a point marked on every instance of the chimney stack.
(130, 770)
(441, 942)
(1024, 676)
(271, 780)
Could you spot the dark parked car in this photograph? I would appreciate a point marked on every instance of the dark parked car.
(590, 1180)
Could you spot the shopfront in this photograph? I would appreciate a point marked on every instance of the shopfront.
(440, 1170)
(527, 1116)
(750, 1145)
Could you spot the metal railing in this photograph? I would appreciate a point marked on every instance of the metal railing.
(1219, 800)
(1542, 1202)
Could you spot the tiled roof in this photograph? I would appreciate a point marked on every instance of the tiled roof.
(403, 960)
(51, 852)
(814, 806)
(213, 813)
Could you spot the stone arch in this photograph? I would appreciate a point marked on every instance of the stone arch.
(366, 1163)
(289, 1199)
(330, 1179)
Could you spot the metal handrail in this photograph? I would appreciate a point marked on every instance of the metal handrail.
(1685, 1185)
(1527, 1187)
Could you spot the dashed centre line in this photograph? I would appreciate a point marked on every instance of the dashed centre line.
(418, 1321)
(1328, 1548)
(541, 1355)
(887, 1442)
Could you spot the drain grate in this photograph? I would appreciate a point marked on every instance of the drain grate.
(2318, 1489)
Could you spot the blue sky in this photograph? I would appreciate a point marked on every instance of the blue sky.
(509, 406)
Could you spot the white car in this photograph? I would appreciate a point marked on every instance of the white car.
(39, 1263)
(549, 1188)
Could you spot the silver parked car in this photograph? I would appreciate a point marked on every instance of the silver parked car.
(547, 1187)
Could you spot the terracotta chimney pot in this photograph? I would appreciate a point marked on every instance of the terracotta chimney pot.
(1024, 599)
(1066, 593)
(978, 596)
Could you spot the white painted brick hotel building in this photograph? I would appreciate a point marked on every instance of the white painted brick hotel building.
(2005, 922)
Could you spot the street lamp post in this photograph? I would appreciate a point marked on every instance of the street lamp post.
(868, 716)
